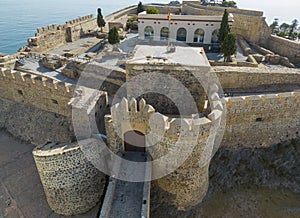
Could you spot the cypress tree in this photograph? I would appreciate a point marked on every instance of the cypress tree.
(225, 29)
(100, 21)
(113, 36)
(228, 46)
(140, 8)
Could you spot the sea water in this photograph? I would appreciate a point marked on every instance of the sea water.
(19, 19)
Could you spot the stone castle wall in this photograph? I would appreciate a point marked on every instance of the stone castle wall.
(53, 36)
(245, 79)
(249, 24)
(188, 184)
(160, 102)
(163, 9)
(34, 125)
(94, 75)
(47, 101)
(262, 120)
(197, 5)
(71, 183)
(40, 92)
(284, 47)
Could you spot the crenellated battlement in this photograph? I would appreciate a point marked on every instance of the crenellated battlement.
(266, 102)
(46, 29)
(52, 36)
(142, 117)
(55, 27)
(38, 82)
(39, 91)
(80, 19)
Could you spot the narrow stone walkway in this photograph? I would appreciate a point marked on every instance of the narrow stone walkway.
(128, 198)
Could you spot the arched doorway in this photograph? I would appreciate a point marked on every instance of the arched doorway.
(134, 141)
(214, 36)
(164, 33)
(181, 35)
(199, 35)
(149, 32)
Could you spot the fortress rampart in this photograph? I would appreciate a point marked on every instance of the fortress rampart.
(71, 183)
(51, 102)
(259, 80)
(41, 92)
(188, 185)
(262, 120)
(52, 36)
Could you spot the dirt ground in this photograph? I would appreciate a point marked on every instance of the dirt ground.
(21, 192)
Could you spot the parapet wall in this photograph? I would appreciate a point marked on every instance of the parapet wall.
(52, 36)
(263, 120)
(245, 79)
(220, 9)
(41, 92)
(285, 47)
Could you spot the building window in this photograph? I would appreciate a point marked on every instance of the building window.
(181, 35)
(149, 32)
(199, 35)
(164, 33)
(214, 36)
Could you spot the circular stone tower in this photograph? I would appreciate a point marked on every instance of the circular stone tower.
(71, 183)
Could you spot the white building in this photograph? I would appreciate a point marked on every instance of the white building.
(184, 28)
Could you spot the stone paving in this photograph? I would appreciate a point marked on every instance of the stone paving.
(128, 198)
(35, 66)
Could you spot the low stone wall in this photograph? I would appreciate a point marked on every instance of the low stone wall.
(234, 64)
(72, 185)
(261, 49)
(244, 79)
(285, 47)
(244, 45)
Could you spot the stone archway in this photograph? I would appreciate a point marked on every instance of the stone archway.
(181, 34)
(134, 141)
